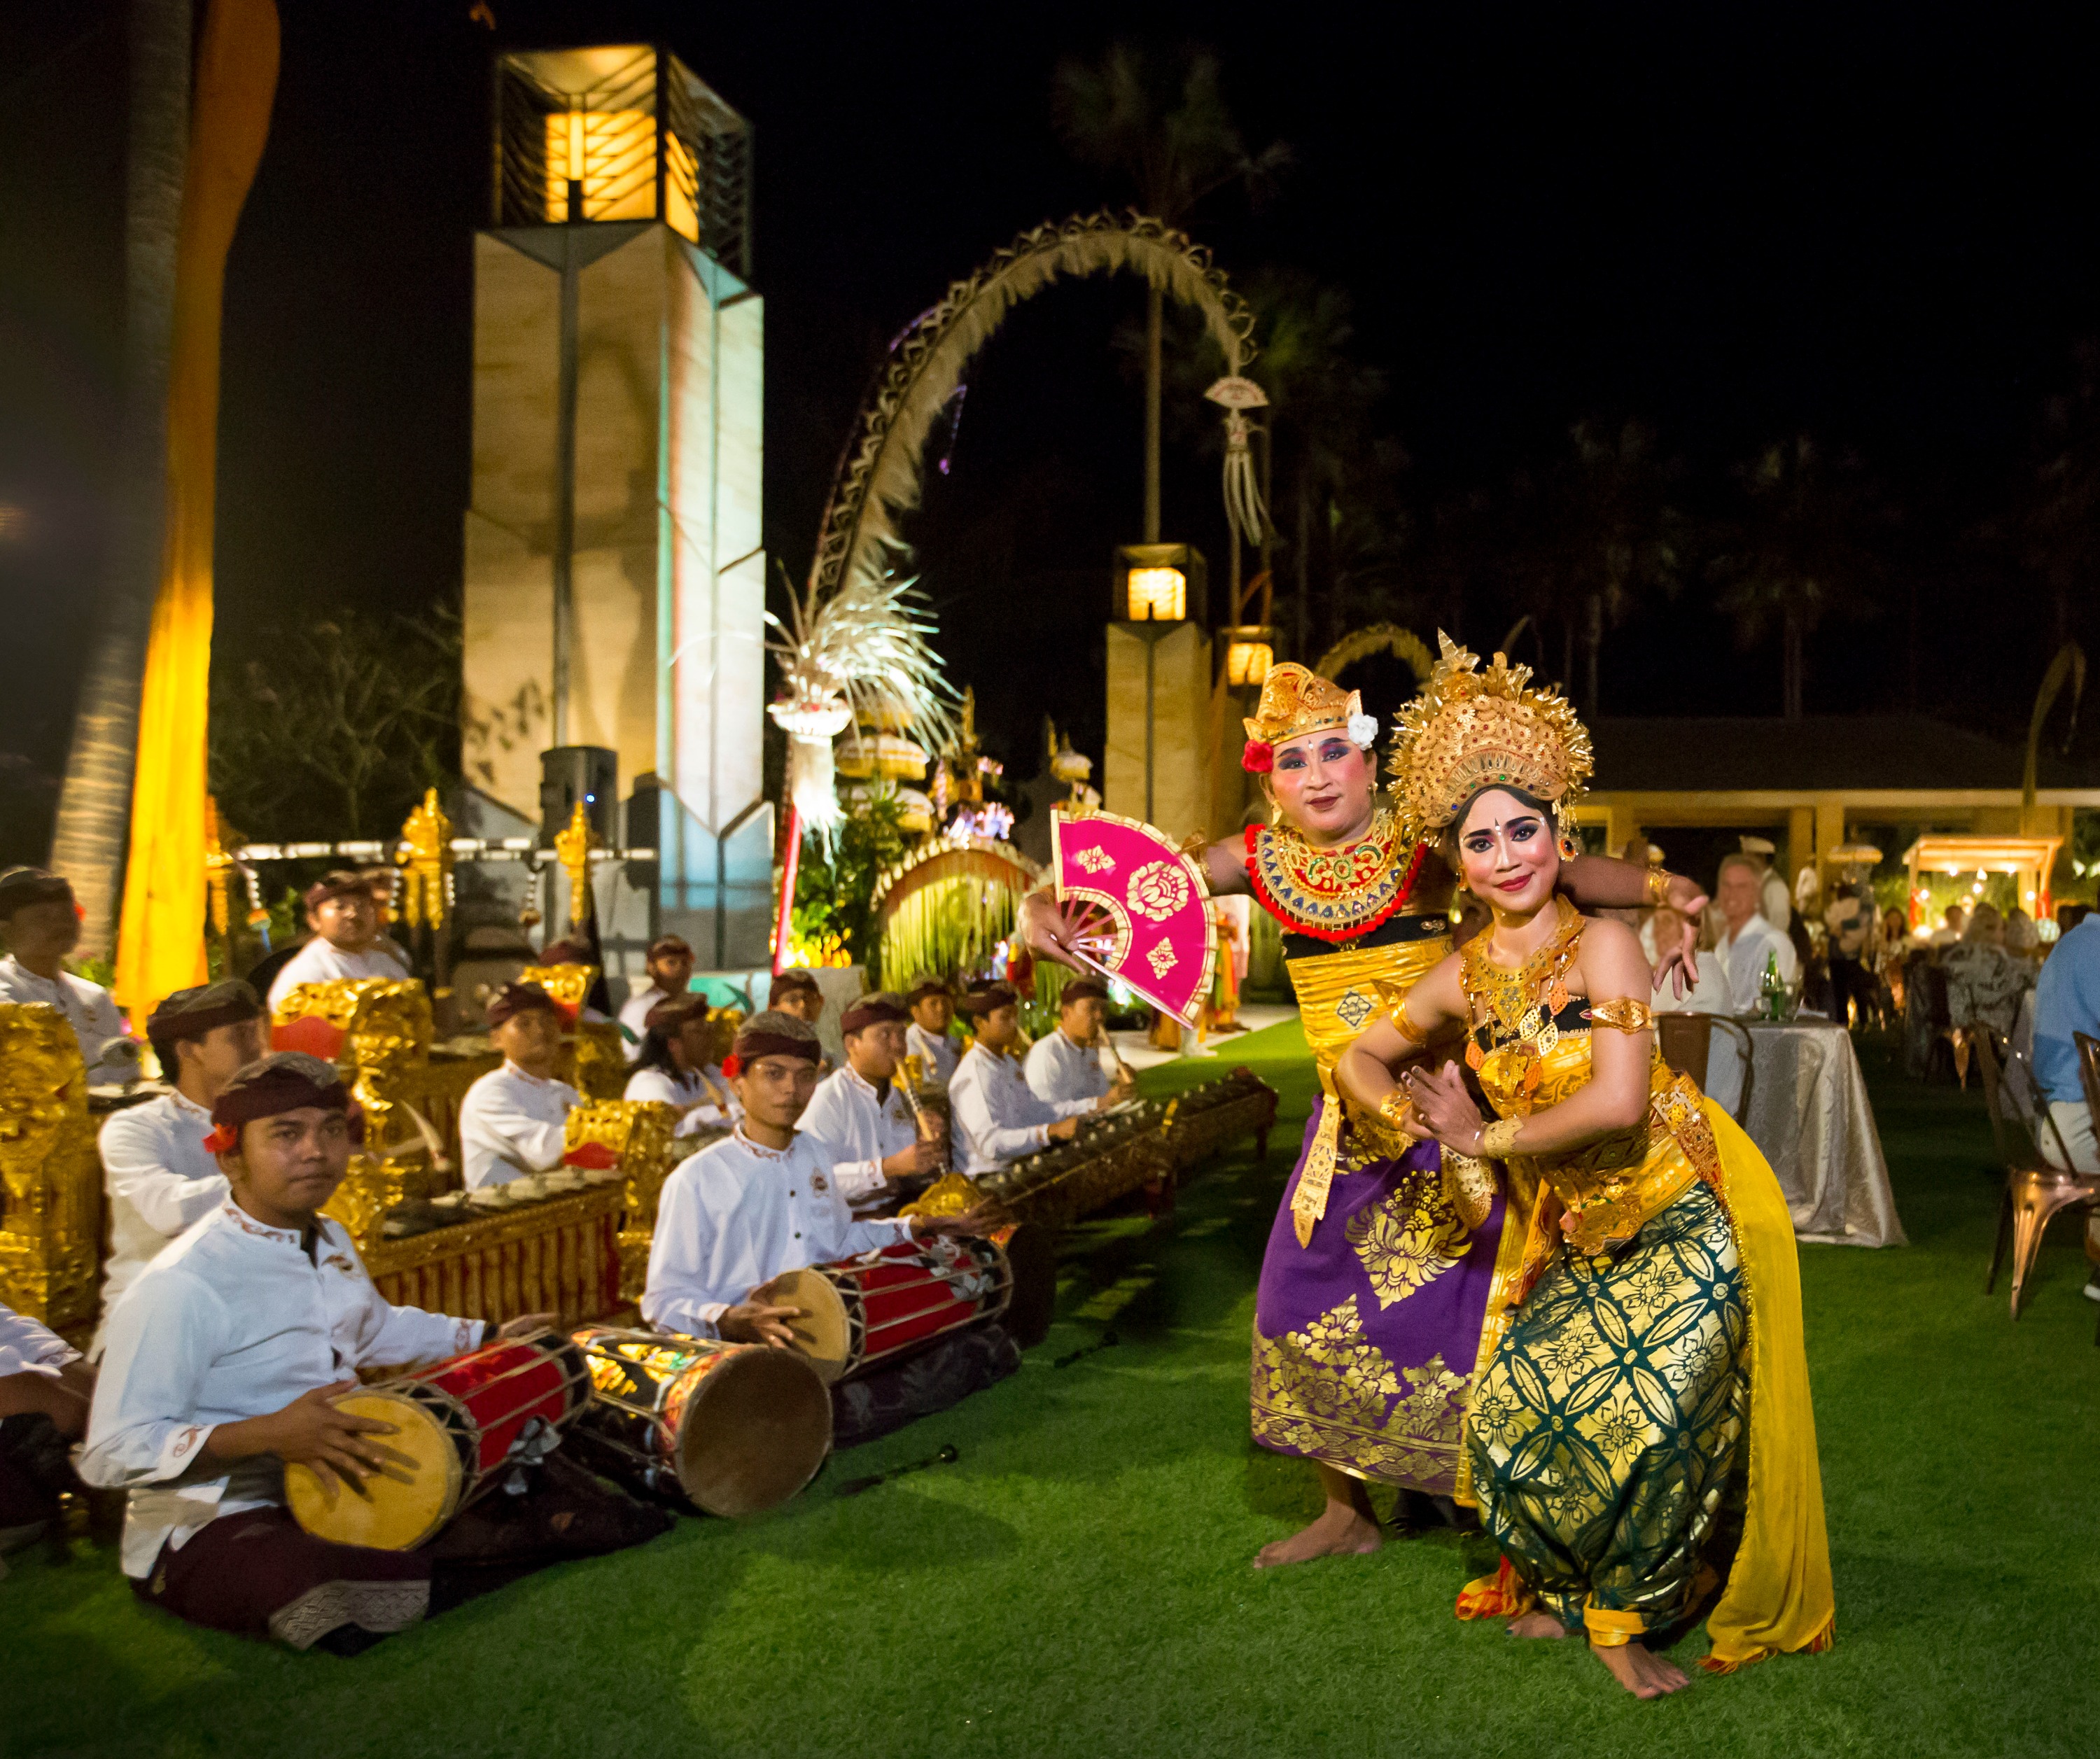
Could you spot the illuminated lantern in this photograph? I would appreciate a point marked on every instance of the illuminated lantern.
(1248, 656)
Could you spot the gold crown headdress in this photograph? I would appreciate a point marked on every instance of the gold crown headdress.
(1471, 730)
(1295, 701)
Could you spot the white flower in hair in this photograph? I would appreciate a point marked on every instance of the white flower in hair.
(1363, 730)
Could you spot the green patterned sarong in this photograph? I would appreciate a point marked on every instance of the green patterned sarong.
(1606, 1429)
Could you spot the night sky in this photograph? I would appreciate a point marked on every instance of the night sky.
(1735, 223)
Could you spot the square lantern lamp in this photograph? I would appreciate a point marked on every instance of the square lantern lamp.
(1249, 652)
(1159, 583)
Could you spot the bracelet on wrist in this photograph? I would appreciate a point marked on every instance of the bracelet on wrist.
(1498, 1139)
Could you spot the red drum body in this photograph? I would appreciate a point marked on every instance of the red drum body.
(860, 1313)
(458, 1424)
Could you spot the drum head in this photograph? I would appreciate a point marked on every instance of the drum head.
(824, 1333)
(396, 1511)
(754, 1433)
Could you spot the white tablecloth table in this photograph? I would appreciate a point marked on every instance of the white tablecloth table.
(1805, 1108)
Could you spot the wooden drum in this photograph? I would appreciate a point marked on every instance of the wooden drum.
(457, 1426)
(738, 1427)
(860, 1313)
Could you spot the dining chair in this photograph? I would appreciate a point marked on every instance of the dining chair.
(2035, 1191)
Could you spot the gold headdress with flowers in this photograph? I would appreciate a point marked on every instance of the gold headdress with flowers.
(1471, 730)
(1295, 701)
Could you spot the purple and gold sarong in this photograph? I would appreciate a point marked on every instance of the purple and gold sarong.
(1367, 1337)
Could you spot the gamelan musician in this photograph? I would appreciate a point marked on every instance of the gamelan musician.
(796, 991)
(859, 1119)
(222, 1365)
(1067, 1064)
(670, 964)
(161, 1177)
(933, 1005)
(513, 1120)
(41, 923)
(44, 1388)
(762, 1202)
(995, 1117)
(348, 941)
(676, 1067)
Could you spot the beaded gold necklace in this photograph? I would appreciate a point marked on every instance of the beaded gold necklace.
(1517, 1008)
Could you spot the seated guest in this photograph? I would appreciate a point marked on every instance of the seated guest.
(1748, 942)
(2022, 938)
(932, 1006)
(1983, 981)
(858, 1120)
(1951, 923)
(745, 1210)
(223, 1361)
(670, 974)
(676, 1066)
(44, 1388)
(347, 941)
(161, 1177)
(1067, 1064)
(42, 925)
(994, 1117)
(2066, 1002)
(512, 1120)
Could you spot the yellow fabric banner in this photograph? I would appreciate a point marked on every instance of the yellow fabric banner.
(160, 943)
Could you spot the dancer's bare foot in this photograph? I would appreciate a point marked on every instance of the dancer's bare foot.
(1340, 1531)
(1641, 1670)
(1536, 1624)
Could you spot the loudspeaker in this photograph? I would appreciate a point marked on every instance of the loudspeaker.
(571, 773)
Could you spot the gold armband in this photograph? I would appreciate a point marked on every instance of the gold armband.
(1658, 887)
(1395, 1108)
(1498, 1139)
(1624, 1013)
(1406, 1028)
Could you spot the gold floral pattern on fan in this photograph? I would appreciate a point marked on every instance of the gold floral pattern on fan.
(1156, 890)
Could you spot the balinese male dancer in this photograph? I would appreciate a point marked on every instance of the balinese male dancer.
(1384, 1259)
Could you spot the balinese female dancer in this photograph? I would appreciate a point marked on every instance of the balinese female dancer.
(1651, 1389)
(1386, 1256)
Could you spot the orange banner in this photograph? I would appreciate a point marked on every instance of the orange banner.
(160, 944)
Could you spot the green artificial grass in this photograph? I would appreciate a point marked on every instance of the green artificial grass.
(1078, 1582)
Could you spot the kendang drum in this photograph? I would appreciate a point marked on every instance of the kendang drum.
(457, 1426)
(860, 1313)
(738, 1427)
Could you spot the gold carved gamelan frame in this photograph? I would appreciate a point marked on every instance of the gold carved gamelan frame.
(50, 1230)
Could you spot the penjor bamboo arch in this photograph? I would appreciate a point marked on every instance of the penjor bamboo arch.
(1378, 638)
(879, 476)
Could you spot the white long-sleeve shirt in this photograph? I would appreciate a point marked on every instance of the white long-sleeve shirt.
(161, 1180)
(993, 1116)
(738, 1214)
(858, 1129)
(97, 1022)
(936, 1051)
(28, 1346)
(1059, 1069)
(234, 1321)
(319, 961)
(705, 1090)
(511, 1124)
(1742, 956)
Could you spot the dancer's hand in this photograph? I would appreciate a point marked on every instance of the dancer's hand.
(1045, 933)
(1679, 960)
(1444, 1111)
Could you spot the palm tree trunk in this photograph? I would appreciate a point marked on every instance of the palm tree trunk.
(1302, 559)
(95, 799)
(1153, 321)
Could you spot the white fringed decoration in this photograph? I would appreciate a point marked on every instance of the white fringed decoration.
(1243, 505)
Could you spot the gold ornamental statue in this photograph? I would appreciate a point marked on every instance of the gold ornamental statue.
(50, 1236)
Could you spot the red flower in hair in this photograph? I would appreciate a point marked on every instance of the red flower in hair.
(732, 1066)
(1259, 758)
(223, 1139)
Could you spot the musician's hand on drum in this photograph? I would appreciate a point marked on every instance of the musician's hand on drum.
(1443, 1110)
(525, 1325)
(1044, 931)
(758, 1322)
(1064, 1129)
(310, 1431)
(971, 1224)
